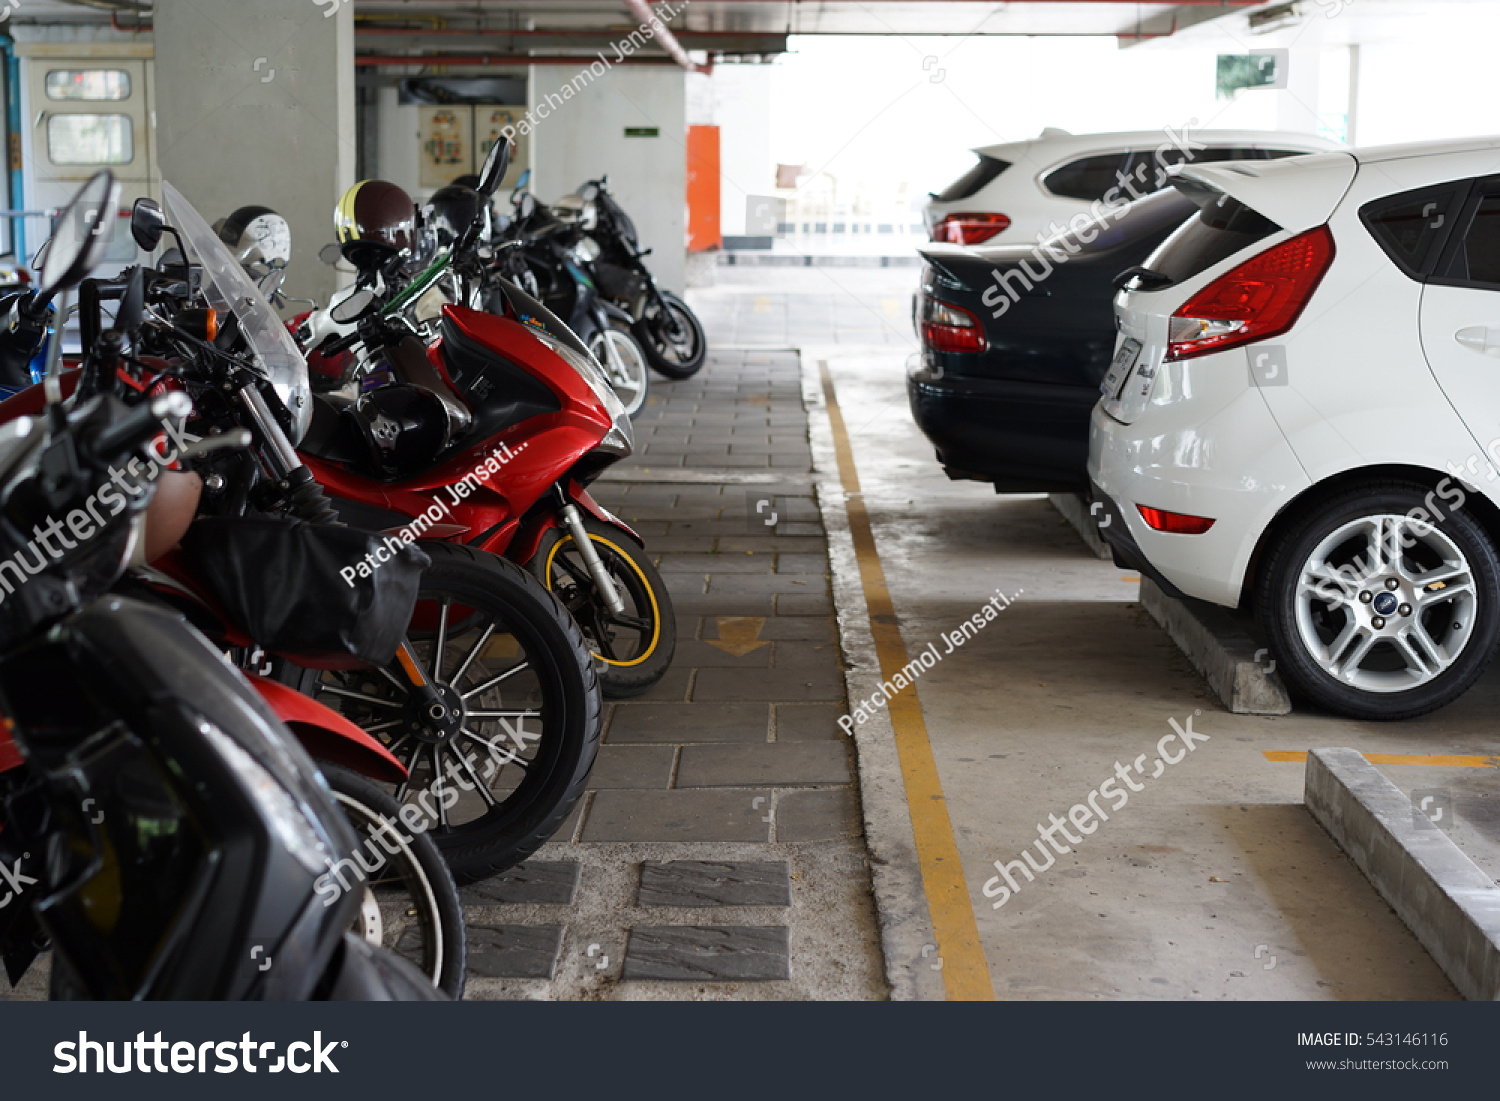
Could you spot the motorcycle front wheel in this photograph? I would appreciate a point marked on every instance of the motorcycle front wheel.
(633, 650)
(497, 768)
(411, 902)
(624, 366)
(672, 338)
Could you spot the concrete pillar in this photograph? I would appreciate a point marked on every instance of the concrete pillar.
(582, 135)
(255, 104)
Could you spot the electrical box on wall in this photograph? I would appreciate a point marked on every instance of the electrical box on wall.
(455, 139)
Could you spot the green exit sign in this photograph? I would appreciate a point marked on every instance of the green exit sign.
(642, 131)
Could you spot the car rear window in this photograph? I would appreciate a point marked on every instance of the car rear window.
(1411, 226)
(1218, 231)
(1087, 178)
(1130, 222)
(981, 175)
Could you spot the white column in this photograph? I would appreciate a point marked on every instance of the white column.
(255, 105)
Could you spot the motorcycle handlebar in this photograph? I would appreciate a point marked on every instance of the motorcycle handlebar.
(140, 424)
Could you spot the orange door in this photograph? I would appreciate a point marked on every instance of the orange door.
(704, 230)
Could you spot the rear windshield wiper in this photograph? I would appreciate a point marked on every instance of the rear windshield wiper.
(1148, 280)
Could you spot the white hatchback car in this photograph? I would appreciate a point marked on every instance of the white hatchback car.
(1303, 416)
(1017, 190)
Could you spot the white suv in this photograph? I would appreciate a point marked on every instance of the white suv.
(1017, 190)
(1303, 416)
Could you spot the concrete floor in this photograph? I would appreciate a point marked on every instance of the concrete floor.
(1213, 881)
(1214, 868)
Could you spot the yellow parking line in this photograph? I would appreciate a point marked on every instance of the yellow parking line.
(966, 975)
(1439, 760)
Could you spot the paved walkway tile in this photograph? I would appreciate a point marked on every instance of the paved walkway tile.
(688, 953)
(704, 815)
(708, 883)
(782, 764)
(544, 882)
(514, 951)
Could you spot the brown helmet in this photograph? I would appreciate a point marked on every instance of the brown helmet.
(374, 221)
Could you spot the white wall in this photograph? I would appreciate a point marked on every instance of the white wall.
(584, 139)
(742, 111)
(398, 151)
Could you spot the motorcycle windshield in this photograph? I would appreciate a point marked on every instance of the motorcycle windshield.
(229, 289)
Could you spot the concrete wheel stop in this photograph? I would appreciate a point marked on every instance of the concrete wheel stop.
(1240, 673)
(1445, 899)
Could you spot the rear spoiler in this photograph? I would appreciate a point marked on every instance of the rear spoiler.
(1297, 193)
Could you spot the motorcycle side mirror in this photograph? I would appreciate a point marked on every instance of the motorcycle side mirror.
(270, 283)
(353, 308)
(84, 230)
(523, 180)
(147, 224)
(331, 253)
(495, 167)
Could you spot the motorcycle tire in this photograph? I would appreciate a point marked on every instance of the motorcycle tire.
(631, 652)
(632, 383)
(479, 613)
(676, 359)
(420, 916)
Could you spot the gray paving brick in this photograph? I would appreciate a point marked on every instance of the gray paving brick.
(798, 527)
(816, 564)
(717, 815)
(717, 563)
(539, 882)
(708, 953)
(680, 723)
(709, 883)
(740, 542)
(778, 685)
(785, 628)
(661, 543)
(632, 766)
(673, 686)
(779, 764)
(807, 656)
(722, 604)
(827, 815)
(737, 584)
(804, 604)
(809, 722)
(684, 582)
(514, 951)
(705, 655)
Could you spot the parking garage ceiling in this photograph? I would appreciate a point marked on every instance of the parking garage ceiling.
(521, 31)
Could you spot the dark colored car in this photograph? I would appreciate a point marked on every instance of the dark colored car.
(1016, 340)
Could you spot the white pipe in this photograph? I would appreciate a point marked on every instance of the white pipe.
(642, 11)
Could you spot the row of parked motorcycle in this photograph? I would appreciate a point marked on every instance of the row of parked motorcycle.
(301, 623)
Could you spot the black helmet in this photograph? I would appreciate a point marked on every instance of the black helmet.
(452, 210)
(374, 221)
(404, 426)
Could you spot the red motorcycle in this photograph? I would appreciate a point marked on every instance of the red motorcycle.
(481, 428)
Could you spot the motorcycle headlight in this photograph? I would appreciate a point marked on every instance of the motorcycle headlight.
(620, 439)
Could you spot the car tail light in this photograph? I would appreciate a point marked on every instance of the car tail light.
(1261, 298)
(969, 229)
(950, 328)
(1174, 523)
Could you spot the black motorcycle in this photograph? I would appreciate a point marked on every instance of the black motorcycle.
(166, 832)
(664, 325)
(550, 258)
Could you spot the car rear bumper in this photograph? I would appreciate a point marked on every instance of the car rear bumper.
(1023, 436)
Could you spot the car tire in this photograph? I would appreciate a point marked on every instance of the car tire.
(1382, 601)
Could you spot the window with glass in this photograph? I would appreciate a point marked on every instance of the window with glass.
(90, 139)
(88, 84)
